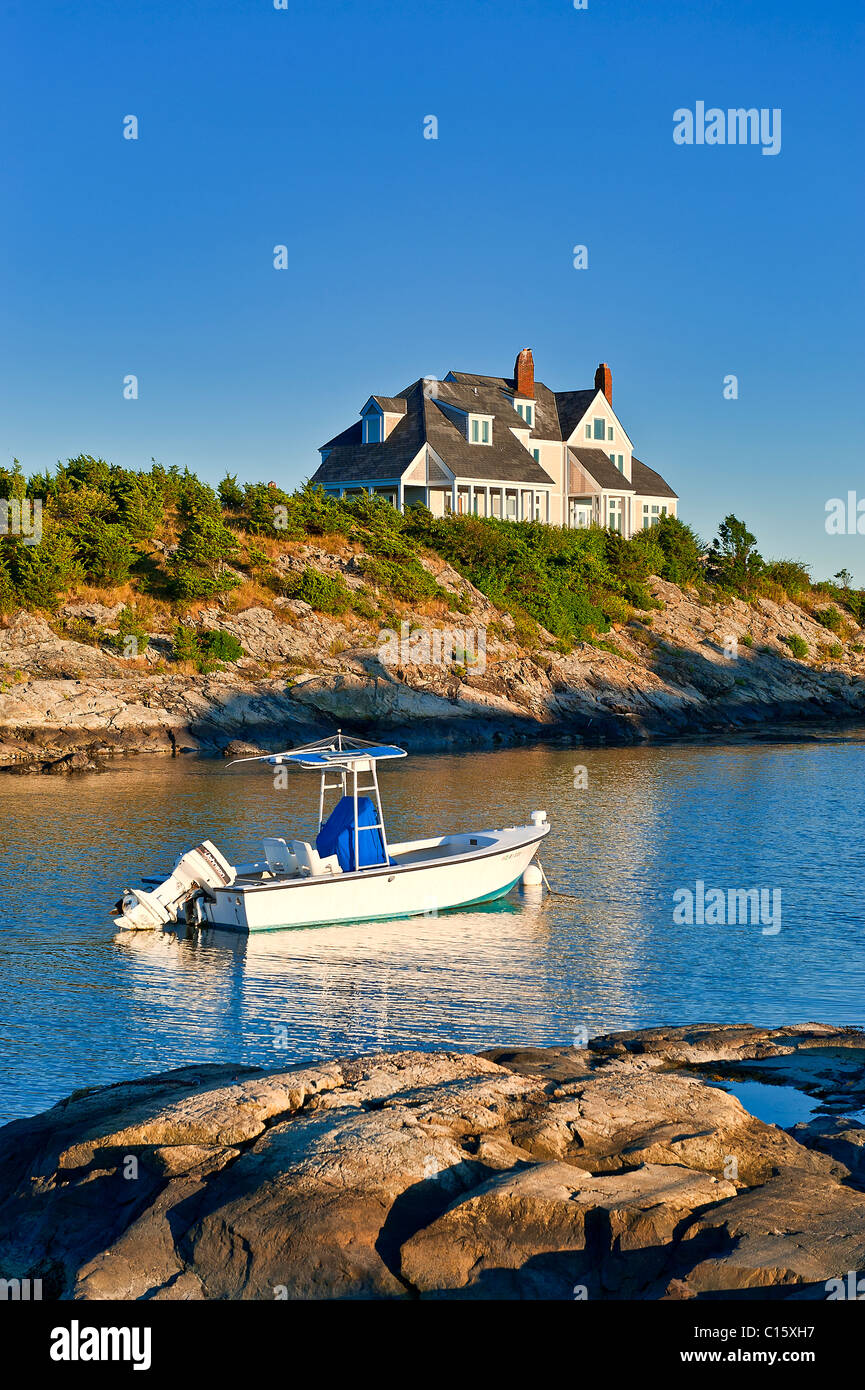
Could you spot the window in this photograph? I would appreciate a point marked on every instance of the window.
(536, 455)
(479, 430)
(619, 461)
(526, 411)
(609, 432)
(372, 429)
(588, 431)
(600, 428)
(511, 506)
(614, 514)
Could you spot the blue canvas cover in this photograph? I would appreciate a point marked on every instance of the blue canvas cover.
(337, 834)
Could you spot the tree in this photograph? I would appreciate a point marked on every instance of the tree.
(230, 494)
(682, 550)
(198, 566)
(107, 553)
(734, 562)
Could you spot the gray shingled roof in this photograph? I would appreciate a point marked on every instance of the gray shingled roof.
(648, 482)
(425, 421)
(351, 461)
(572, 406)
(505, 460)
(353, 435)
(599, 466)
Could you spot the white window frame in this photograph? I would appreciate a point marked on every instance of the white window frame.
(379, 420)
(483, 423)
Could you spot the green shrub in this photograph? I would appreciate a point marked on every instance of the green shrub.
(407, 580)
(681, 549)
(747, 640)
(131, 638)
(197, 569)
(8, 597)
(44, 572)
(140, 504)
(792, 575)
(207, 649)
(733, 562)
(230, 495)
(107, 554)
(798, 646)
(220, 645)
(829, 618)
(326, 593)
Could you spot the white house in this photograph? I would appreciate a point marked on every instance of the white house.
(500, 446)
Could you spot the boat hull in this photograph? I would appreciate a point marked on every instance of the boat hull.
(372, 894)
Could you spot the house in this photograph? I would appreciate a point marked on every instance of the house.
(499, 446)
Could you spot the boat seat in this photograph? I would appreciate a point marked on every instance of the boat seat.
(280, 859)
(309, 861)
(336, 836)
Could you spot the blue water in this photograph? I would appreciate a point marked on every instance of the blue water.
(80, 1006)
(784, 1106)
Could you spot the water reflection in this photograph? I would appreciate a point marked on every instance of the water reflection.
(80, 1006)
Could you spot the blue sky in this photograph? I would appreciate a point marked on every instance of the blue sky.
(408, 256)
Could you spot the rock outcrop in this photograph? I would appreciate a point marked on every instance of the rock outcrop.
(613, 1170)
(688, 669)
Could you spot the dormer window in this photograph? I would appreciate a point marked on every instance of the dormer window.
(619, 461)
(526, 409)
(480, 429)
(380, 416)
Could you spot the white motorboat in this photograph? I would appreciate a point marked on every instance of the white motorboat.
(350, 874)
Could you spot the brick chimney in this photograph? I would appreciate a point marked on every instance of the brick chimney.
(524, 374)
(604, 381)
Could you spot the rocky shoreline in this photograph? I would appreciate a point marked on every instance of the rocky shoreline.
(615, 1170)
(685, 670)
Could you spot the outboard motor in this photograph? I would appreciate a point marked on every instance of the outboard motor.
(201, 868)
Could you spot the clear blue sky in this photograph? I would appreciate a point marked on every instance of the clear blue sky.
(411, 256)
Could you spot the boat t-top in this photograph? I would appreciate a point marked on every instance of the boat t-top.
(351, 874)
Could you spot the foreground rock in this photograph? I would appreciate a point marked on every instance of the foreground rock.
(668, 676)
(611, 1171)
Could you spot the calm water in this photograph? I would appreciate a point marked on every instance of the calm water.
(79, 1006)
